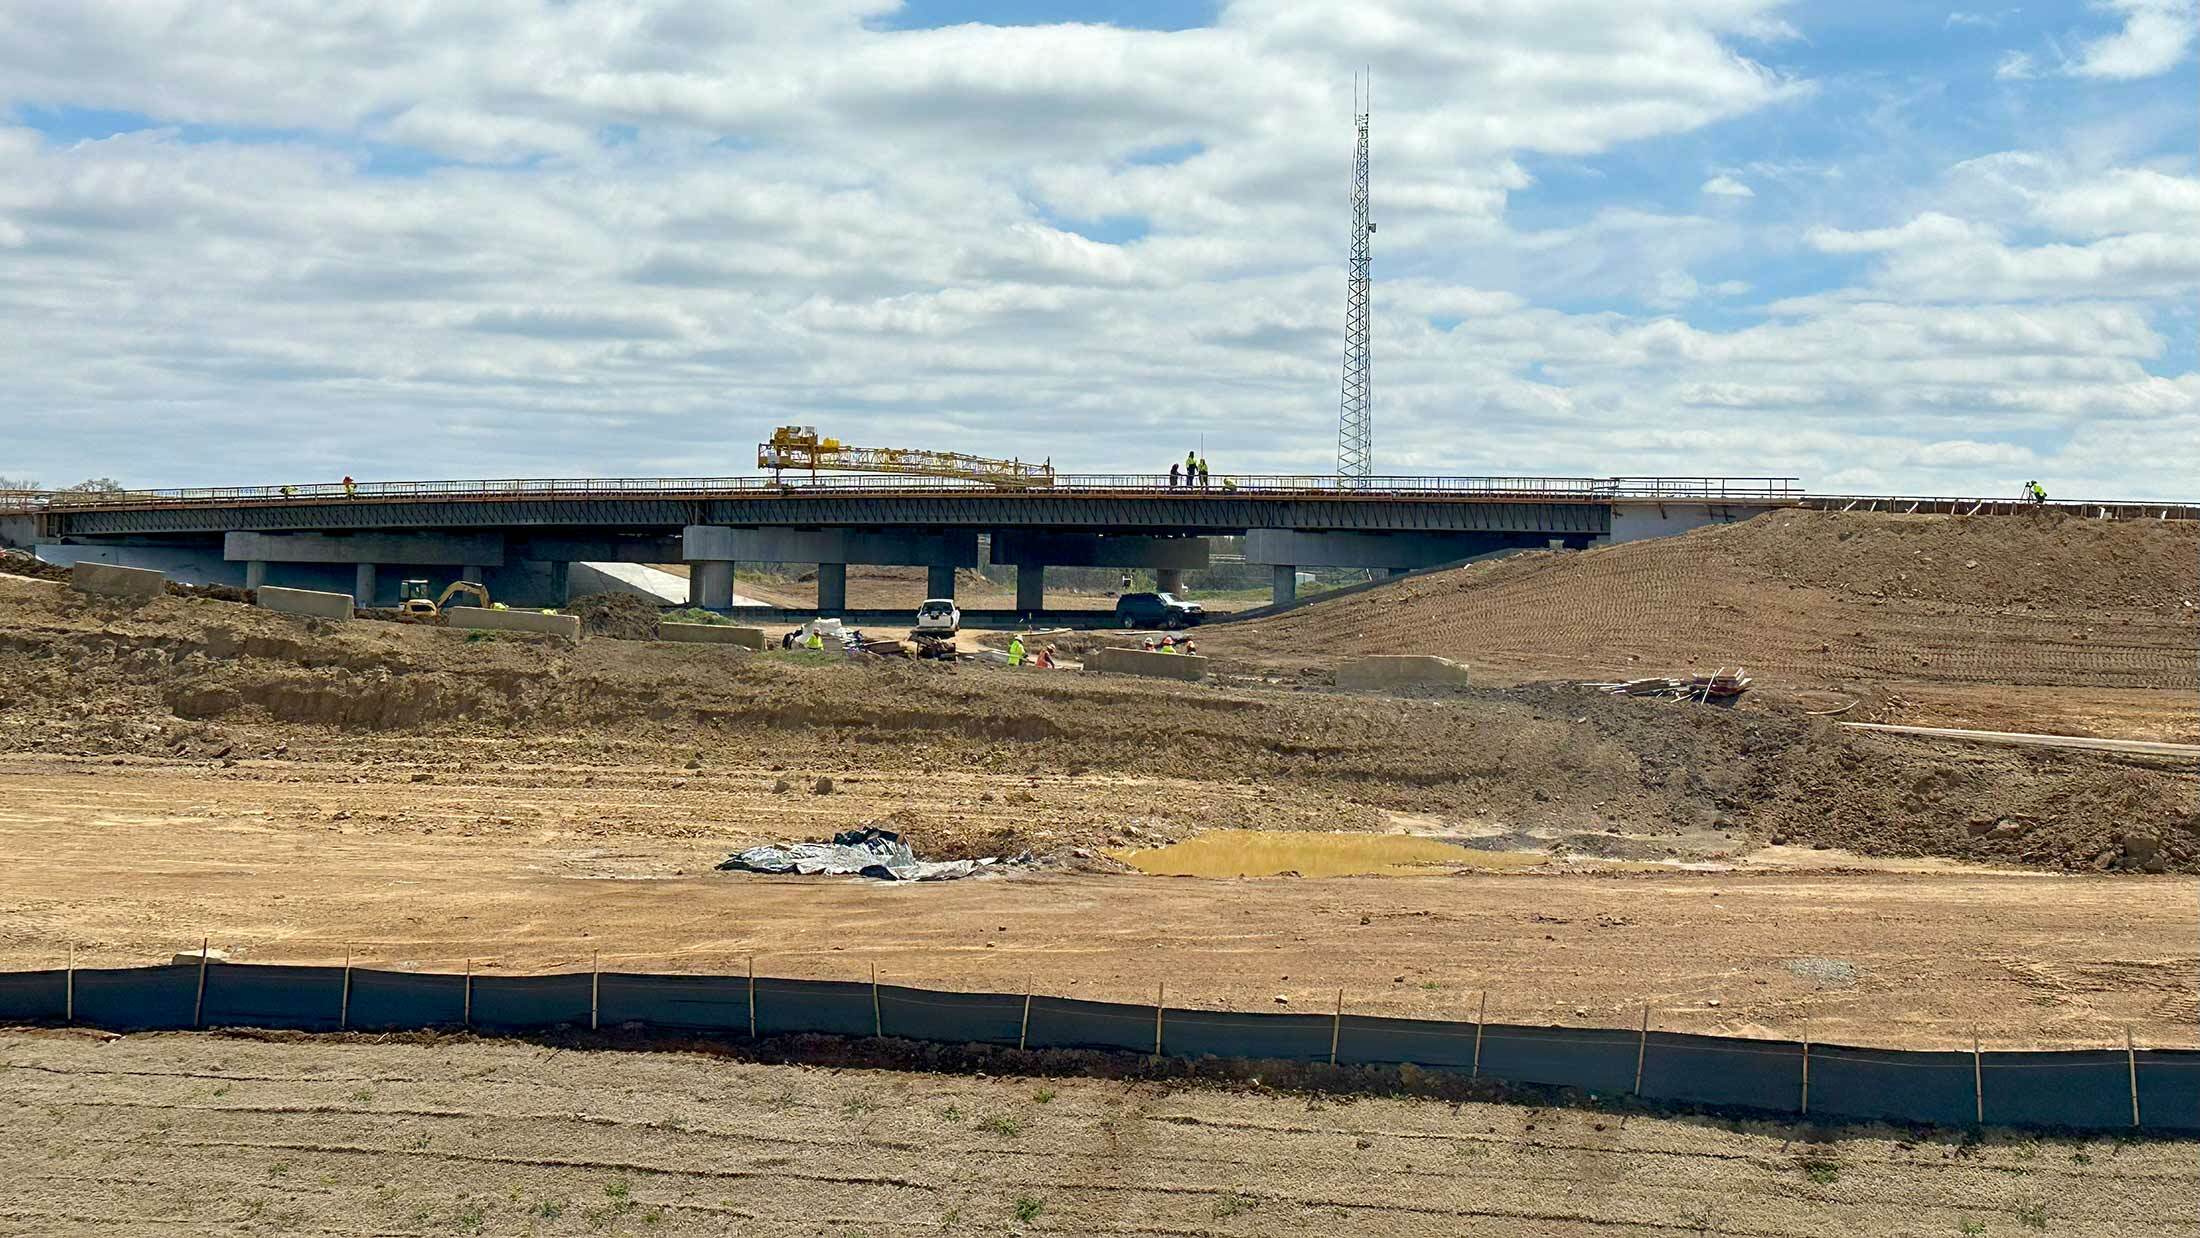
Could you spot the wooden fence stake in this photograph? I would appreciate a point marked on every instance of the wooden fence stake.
(2131, 1061)
(1336, 1026)
(466, 1011)
(343, 1008)
(1642, 1046)
(198, 1007)
(1481, 1011)
(1978, 1078)
(752, 997)
(878, 1022)
(1024, 1029)
(1160, 996)
(68, 991)
(1806, 1067)
(595, 986)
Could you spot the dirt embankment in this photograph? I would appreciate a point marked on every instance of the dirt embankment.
(1806, 598)
(1561, 763)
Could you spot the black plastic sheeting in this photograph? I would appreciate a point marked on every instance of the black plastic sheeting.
(33, 996)
(2169, 1088)
(309, 999)
(530, 1003)
(1893, 1084)
(383, 1001)
(2085, 1089)
(138, 999)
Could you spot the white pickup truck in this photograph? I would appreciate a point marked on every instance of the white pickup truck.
(939, 617)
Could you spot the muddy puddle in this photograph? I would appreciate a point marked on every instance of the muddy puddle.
(1274, 853)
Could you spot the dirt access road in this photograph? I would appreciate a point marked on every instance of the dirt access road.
(206, 1134)
(532, 868)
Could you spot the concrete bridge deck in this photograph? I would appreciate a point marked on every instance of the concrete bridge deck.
(522, 533)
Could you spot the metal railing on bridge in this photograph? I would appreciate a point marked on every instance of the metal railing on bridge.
(1310, 485)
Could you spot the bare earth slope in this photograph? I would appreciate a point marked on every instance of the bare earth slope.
(2049, 617)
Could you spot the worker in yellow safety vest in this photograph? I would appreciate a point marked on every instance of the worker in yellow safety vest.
(1015, 651)
(1168, 644)
(815, 643)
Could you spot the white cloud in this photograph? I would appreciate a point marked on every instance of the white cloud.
(662, 228)
(2153, 39)
(2015, 67)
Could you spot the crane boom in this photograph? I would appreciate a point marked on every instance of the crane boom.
(800, 447)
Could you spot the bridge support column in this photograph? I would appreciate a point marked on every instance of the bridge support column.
(362, 585)
(832, 588)
(939, 582)
(1168, 579)
(710, 583)
(255, 573)
(476, 573)
(1031, 587)
(1286, 586)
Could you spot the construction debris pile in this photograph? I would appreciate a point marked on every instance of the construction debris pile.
(868, 852)
(1723, 686)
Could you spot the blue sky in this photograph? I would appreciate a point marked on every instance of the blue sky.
(1887, 247)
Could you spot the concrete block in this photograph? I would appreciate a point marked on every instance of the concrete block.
(305, 602)
(567, 626)
(713, 634)
(128, 582)
(1401, 670)
(1139, 662)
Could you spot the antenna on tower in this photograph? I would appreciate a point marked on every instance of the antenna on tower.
(1355, 410)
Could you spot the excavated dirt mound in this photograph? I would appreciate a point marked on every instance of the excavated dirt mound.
(79, 675)
(1801, 597)
(620, 615)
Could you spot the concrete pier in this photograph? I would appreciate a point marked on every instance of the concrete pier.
(832, 588)
(255, 573)
(362, 584)
(939, 582)
(1286, 587)
(710, 584)
(1168, 579)
(1031, 587)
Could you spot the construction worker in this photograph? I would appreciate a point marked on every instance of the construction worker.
(1016, 650)
(815, 643)
(1168, 644)
(1185, 646)
(351, 488)
(1191, 467)
(1203, 472)
(2036, 492)
(1172, 474)
(290, 492)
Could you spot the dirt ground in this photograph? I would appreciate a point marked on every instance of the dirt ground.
(181, 1133)
(2004, 623)
(1563, 770)
(524, 868)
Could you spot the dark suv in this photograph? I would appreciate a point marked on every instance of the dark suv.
(1156, 610)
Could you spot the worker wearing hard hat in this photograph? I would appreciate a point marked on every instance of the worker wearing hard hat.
(1015, 650)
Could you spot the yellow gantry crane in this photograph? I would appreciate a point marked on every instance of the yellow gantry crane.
(799, 447)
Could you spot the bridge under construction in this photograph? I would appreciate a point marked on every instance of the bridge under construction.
(520, 536)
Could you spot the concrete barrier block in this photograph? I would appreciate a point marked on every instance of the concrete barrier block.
(304, 602)
(712, 634)
(568, 626)
(1140, 662)
(1401, 670)
(129, 582)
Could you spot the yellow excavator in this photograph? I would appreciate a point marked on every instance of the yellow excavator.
(417, 607)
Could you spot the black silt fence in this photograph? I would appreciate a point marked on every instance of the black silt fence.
(2100, 1090)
